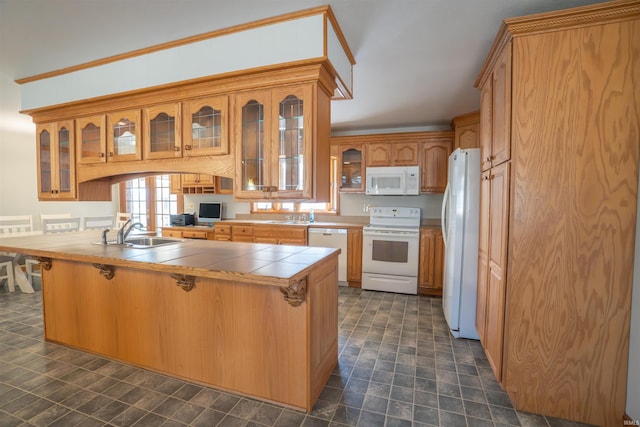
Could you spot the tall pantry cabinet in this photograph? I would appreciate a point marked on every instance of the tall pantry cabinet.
(560, 132)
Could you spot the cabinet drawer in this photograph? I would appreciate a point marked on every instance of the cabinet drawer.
(241, 230)
(242, 239)
(194, 234)
(223, 237)
(171, 233)
(222, 229)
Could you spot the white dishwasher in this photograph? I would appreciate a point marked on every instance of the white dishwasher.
(332, 238)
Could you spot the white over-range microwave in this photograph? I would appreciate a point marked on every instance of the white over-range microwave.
(393, 180)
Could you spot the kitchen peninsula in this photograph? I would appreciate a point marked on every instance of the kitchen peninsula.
(256, 319)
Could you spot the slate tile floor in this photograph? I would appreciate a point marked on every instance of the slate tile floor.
(398, 366)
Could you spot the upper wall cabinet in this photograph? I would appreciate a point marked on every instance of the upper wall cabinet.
(91, 139)
(351, 168)
(393, 154)
(206, 126)
(123, 136)
(56, 160)
(162, 139)
(188, 121)
(495, 115)
(276, 142)
(467, 130)
(429, 150)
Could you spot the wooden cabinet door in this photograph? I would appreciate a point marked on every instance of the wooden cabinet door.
(252, 125)
(483, 256)
(124, 142)
(162, 131)
(354, 257)
(56, 160)
(467, 136)
(292, 143)
(223, 185)
(486, 124)
(351, 168)
(406, 154)
(496, 285)
(435, 165)
(501, 138)
(175, 183)
(91, 139)
(430, 271)
(206, 126)
(379, 155)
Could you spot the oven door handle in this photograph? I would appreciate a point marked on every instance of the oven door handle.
(397, 236)
(443, 215)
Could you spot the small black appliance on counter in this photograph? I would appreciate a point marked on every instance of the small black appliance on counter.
(183, 219)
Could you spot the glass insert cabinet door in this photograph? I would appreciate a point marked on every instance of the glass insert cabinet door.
(290, 144)
(123, 136)
(162, 132)
(253, 147)
(206, 123)
(274, 143)
(56, 160)
(91, 139)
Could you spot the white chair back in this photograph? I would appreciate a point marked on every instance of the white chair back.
(97, 222)
(15, 224)
(60, 225)
(122, 218)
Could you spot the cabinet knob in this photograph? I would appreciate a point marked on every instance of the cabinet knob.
(110, 153)
(176, 148)
(187, 147)
(101, 155)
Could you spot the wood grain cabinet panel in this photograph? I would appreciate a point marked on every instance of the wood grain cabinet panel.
(495, 120)
(55, 150)
(430, 269)
(280, 235)
(435, 165)
(398, 153)
(467, 130)
(559, 121)
(124, 136)
(206, 126)
(91, 139)
(162, 131)
(282, 149)
(354, 257)
(483, 256)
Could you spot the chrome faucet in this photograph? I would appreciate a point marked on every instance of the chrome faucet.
(126, 229)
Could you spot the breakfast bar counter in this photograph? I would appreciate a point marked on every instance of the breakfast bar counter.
(256, 319)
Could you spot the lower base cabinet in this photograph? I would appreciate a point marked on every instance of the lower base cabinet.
(430, 270)
(237, 335)
(354, 257)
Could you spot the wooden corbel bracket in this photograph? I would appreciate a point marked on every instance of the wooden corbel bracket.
(184, 281)
(44, 262)
(106, 270)
(296, 293)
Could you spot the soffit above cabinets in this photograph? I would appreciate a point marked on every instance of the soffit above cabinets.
(291, 39)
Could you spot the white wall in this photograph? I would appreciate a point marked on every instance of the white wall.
(18, 169)
(229, 208)
(354, 204)
(633, 377)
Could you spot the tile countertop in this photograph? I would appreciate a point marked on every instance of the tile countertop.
(276, 265)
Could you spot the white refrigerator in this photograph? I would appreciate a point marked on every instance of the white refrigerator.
(460, 218)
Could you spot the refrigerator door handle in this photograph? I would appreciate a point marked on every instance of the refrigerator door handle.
(443, 215)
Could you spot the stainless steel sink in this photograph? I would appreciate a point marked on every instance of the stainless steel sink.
(149, 242)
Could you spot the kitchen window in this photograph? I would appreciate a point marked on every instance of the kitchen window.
(330, 207)
(150, 200)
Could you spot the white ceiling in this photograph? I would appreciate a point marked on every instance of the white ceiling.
(416, 60)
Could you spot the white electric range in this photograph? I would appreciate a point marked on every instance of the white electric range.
(390, 250)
